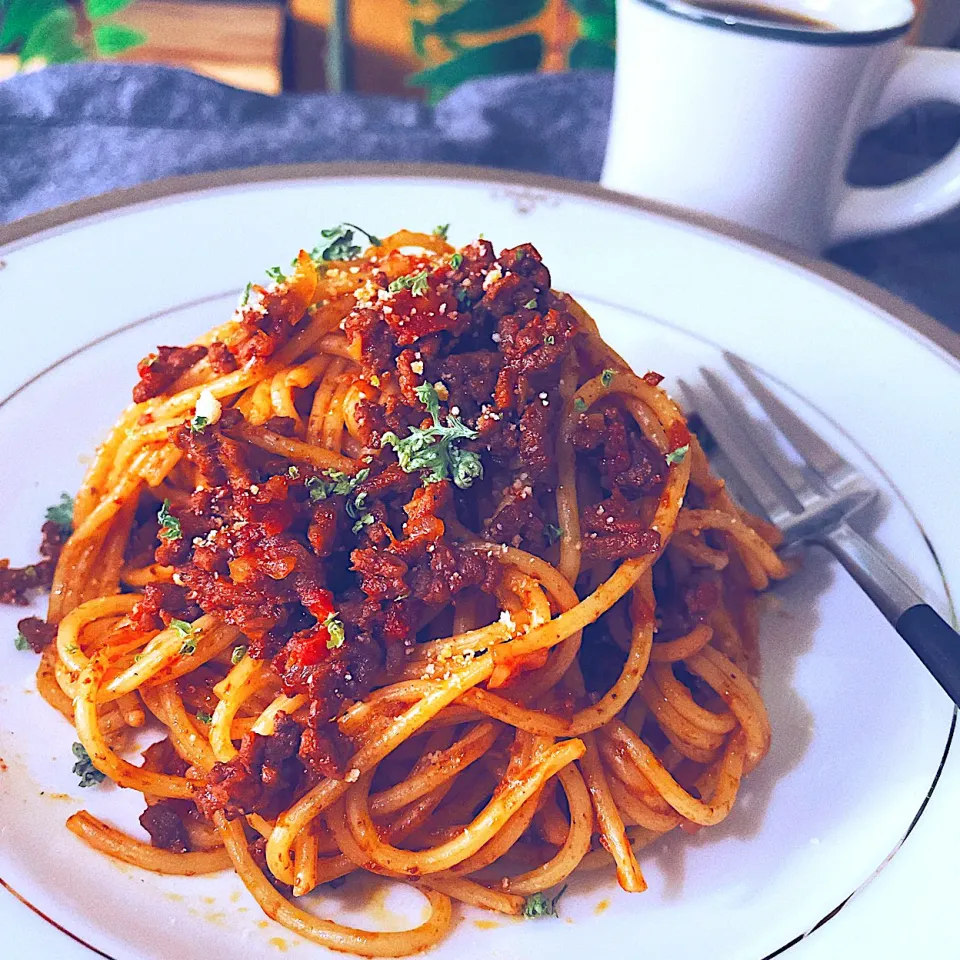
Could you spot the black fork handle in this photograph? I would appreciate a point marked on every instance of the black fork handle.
(930, 637)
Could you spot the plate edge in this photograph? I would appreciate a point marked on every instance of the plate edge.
(932, 330)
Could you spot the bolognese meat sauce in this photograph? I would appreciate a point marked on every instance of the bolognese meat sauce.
(331, 576)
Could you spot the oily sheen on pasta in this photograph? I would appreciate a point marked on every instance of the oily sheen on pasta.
(415, 576)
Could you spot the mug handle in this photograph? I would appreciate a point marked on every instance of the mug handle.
(922, 76)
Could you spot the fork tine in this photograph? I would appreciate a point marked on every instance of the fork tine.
(763, 434)
(726, 427)
(723, 467)
(819, 455)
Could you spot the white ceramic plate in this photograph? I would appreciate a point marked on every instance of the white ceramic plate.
(861, 733)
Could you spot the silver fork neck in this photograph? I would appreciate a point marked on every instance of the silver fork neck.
(863, 562)
(828, 513)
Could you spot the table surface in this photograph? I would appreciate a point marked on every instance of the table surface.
(74, 131)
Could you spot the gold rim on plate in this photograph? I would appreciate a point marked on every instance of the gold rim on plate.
(887, 305)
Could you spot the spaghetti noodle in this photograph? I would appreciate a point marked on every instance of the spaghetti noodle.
(416, 577)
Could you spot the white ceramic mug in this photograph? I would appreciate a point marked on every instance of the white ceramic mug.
(755, 121)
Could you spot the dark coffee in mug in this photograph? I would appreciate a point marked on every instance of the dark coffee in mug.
(760, 13)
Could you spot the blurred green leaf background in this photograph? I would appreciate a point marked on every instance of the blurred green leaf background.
(460, 40)
(40, 32)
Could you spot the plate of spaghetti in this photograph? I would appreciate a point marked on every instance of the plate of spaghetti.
(387, 600)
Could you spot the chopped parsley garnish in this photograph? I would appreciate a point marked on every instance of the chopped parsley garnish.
(552, 532)
(318, 488)
(606, 378)
(275, 273)
(340, 245)
(335, 633)
(204, 717)
(429, 395)
(463, 296)
(549, 339)
(364, 520)
(89, 775)
(679, 455)
(20, 641)
(336, 483)
(293, 472)
(169, 524)
(358, 510)
(441, 230)
(537, 905)
(434, 449)
(456, 260)
(416, 283)
(580, 404)
(186, 632)
(198, 423)
(465, 467)
(62, 513)
(247, 290)
(531, 304)
(239, 652)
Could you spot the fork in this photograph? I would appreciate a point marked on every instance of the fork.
(812, 504)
